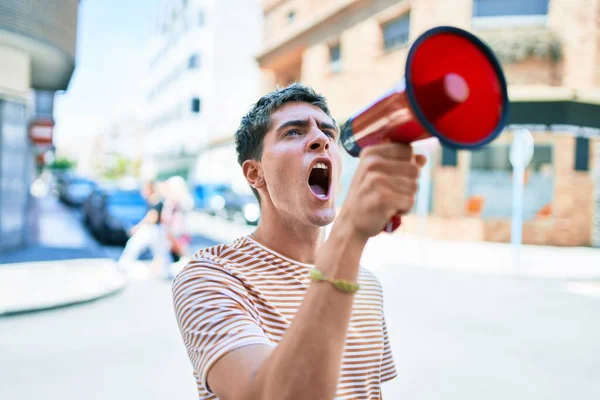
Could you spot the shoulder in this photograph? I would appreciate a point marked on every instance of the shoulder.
(369, 277)
(209, 266)
(206, 264)
(370, 283)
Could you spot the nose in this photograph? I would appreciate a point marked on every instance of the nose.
(318, 141)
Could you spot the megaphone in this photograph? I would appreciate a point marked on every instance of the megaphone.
(454, 89)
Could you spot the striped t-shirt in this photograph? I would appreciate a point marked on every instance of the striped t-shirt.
(243, 293)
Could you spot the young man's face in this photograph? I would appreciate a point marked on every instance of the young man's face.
(301, 163)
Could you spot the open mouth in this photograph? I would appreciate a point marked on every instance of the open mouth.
(318, 180)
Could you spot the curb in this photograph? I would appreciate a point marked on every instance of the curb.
(57, 284)
(59, 305)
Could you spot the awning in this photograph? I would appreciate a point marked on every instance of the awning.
(563, 112)
(546, 105)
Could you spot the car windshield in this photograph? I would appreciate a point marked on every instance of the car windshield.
(82, 182)
(216, 188)
(129, 198)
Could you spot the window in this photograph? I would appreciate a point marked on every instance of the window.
(502, 8)
(195, 105)
(194, 61)
(335, 57)
(582, 154)
(291, 16)
(490, 180)
(44, 103)
(449, 157)
(395, 32)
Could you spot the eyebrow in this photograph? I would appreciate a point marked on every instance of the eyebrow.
(304, 123)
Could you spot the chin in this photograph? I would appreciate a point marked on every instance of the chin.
(323, 217)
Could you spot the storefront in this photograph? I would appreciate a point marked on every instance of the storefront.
(472, 191)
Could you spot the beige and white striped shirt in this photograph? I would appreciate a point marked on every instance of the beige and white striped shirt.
(244, 293)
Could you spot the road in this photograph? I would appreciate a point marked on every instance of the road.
(122, 347)
(454, 336)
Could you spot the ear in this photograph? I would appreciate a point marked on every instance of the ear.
(253, 172)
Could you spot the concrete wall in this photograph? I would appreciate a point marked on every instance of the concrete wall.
(16, 69)
(226, 81)
(50, 21)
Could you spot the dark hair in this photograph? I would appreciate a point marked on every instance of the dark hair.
(257, 122)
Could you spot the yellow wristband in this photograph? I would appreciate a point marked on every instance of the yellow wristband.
(340, 284)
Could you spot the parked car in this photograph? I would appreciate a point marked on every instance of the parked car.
(110, 213)
(240, 207)
(208, 197)
(74, 190)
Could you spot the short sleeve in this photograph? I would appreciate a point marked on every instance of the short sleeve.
(214, 314)
(388, 368)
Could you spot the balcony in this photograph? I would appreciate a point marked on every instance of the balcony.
(529, 55)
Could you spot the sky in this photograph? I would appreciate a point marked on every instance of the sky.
(106, 82)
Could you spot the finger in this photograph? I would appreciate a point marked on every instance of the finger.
(421, 160)
(395, 168)
(391, 150)
(403, 186)
(403, 204)
(394, 185)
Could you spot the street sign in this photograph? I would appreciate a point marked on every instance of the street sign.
(521, 150)
(40, 132)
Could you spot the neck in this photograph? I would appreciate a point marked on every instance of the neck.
(295, 241)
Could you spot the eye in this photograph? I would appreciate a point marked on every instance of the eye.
(330, 134)
(293, 132)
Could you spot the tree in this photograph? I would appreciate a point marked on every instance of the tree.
(119, 169)
(62, 164)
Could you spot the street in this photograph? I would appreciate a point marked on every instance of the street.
(134, 134)
(454, 336)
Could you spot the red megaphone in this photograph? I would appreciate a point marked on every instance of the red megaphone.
(454, 89)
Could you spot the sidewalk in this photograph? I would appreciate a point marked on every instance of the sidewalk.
(386, 251)
(62, 266)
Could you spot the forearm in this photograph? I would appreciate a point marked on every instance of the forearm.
(306, 363)
(150, 218)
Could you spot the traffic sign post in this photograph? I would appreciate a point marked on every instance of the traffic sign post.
(521, 153)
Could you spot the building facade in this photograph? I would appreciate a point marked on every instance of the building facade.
(37, 58)
(202, 77)
(352, 51)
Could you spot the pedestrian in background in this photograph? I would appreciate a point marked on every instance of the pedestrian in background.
(178, 203)
(149, 233)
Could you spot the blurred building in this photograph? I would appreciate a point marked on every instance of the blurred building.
(354, 50)
(37, 58)
(202, 77)
(120, 141)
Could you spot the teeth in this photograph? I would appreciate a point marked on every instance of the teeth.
(320, 165)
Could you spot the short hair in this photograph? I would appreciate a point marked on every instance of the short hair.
(257, 122)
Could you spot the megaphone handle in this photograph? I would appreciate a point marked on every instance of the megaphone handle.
(393, 224)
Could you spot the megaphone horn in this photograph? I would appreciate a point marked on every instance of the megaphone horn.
(454, 89)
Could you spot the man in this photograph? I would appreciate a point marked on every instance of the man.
(260, 317)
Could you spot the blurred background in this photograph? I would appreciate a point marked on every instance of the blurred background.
(98, 98)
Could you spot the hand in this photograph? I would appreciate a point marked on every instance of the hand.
(384, 185)
(133, 230)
